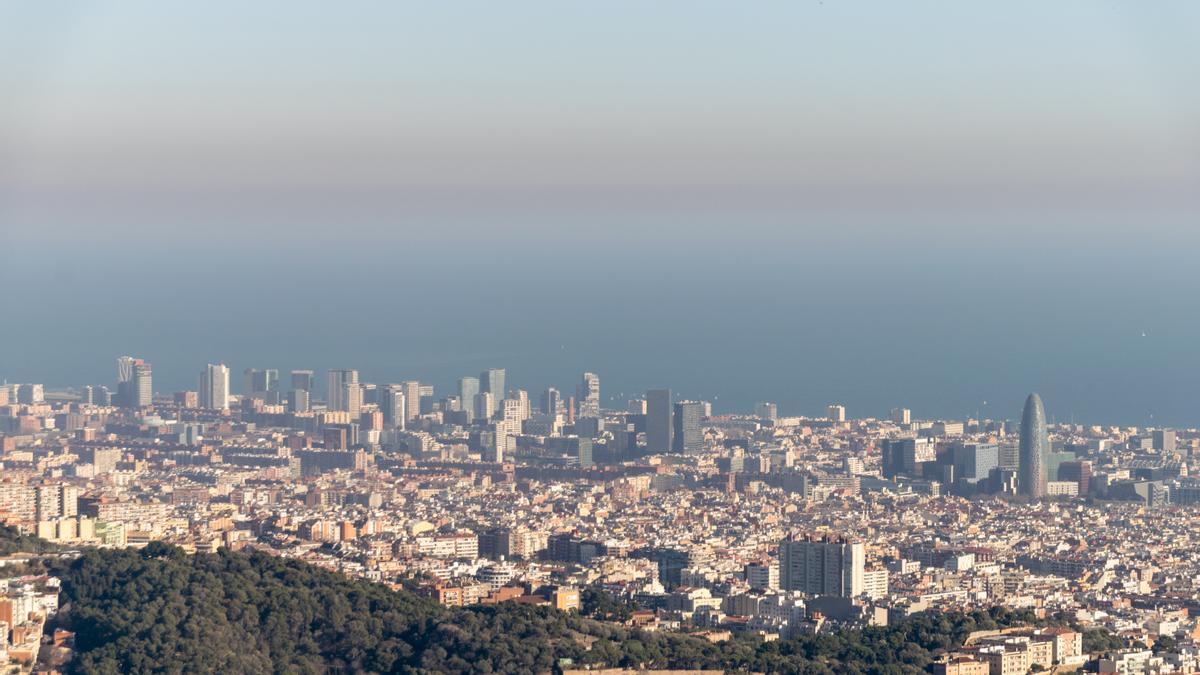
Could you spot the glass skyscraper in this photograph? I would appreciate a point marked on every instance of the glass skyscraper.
(1035, 446)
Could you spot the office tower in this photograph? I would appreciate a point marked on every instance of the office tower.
(658, 421)
(1164, 441)
(1035, 445)
(1010, 455)
(907, 456)
(550, 401)
(512, 412)
(1078, 472)
(467, 388)
(974, 461)
(214, 387)
(426, 401)
(766, 411)
(304, 379)
(298, 401)
(412, 399)
(262, 383)
(134, 389)
(836, 413)
(352, 397)
(141, 389)
(483, 405)
(492, 381)
(636, 406)
(688, 436)
(588, 396)
(125, 381)
(901, 416)
(584, 453)
(822, 567)
(336, 388)
(392, 403)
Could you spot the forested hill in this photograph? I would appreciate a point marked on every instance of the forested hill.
(160, 610)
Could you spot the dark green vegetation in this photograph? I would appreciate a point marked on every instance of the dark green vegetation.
(12, 540)
(160, 610)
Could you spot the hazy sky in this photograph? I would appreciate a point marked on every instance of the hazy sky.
(880, 202)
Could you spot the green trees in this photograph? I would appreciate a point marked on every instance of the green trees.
(159, 610)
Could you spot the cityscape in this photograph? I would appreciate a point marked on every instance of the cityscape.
(832, 337)
(710, 522)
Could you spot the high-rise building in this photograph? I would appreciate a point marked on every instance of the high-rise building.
(762, 576)
(1164, 441)
(588, 396)
(261, 383)
(134, 388)
(822, 567)
(125, 381)
(1035, 446)
(901, 416)
(974, 461)
(304, 379)
(141, 389)
(214, 387)
(658, 421)
(336, 390)
(412, 399)
(688, 437)
(551, 400)
(467, 388)
(298, 401)
(836, 413)
(766, 411)
(484, 403)
(392, 403)
(492, 381)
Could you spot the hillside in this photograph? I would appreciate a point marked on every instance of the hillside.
(160, 610)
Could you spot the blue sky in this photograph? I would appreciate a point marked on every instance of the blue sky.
(928, 203)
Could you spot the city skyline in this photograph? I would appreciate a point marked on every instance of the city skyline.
(607, 400)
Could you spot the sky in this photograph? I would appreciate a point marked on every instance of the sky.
(924, 203)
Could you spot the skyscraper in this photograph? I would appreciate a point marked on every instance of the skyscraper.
(688, 436)
(467, 388)
(134, 388)
(492, 381)
(261, 383)
(392, 403)
(766, 411)
(304, 379)
(1035, 445)
(141, 390)
(836, 413)
(214, 387)
(412, 399)
(551, 400)
(658, 421)
(819, 567)
(297, 401)
(336, 388)
(588, 396)
(484, 403)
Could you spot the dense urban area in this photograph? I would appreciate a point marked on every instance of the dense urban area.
(657, 534)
